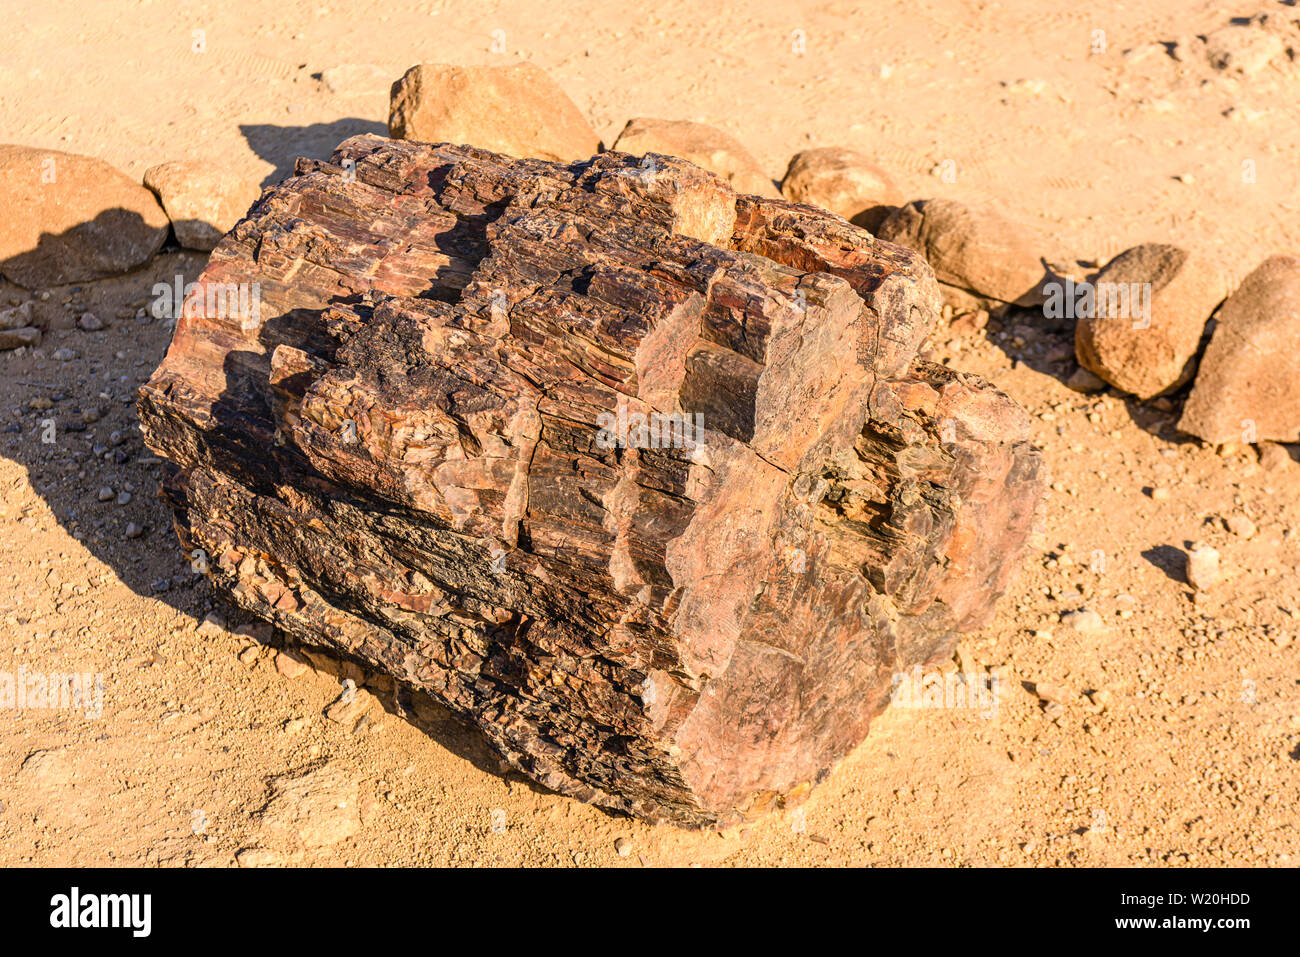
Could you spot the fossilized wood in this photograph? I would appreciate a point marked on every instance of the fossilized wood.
(401, 462)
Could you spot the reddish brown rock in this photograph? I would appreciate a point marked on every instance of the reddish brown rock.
(706, 146)
(418, 459)
(70, 218)
(846, 182)
(1142, 326)
(516, 109)
(974, 250)
(1246, 388)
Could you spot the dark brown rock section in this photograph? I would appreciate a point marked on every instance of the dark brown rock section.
(402, 461)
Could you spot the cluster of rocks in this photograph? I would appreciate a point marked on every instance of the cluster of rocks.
(73, 218)
(1141, 322)
(1140, 329)
(1243, 380)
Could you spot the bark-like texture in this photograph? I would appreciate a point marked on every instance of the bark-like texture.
(402, 461)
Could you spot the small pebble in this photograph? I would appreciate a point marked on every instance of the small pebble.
(295, 726)
(1081, 380)
(89, 322)
(1203, 567)
(288, 665)
(213, 624)
(348, 708)
(133, 530)
(1085, 621)
(1241, 526)
(1274, 457)
(1050, 692)
(105, 494)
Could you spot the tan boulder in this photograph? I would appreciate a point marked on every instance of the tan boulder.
(971, 248)
(844, 181)
(1143, 327)
(1246, 389)
(70, 218)
(202, 200)
(705, 146)
(517, 110)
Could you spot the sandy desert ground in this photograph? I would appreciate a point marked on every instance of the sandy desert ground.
(1179, 743)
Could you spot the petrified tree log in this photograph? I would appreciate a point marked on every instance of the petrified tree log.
(409, 458)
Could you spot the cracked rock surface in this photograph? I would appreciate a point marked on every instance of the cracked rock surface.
(404, 457)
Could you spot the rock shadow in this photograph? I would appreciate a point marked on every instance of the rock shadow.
(282, 145)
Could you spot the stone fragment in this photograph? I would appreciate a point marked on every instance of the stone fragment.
(662, 515)
(203, 200)
(517, 110)
(1085, 381)
(47, 768)
(975, 250)
(844, 181)
(17, 317)
(706, 146)
(290, 665)
(16, 338)
(312, 809)
(1085, 621)
(70, 218)
(1241, 526)
(1274, 456)
(1142, 328)
(1246, 388)
(1203, 567)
